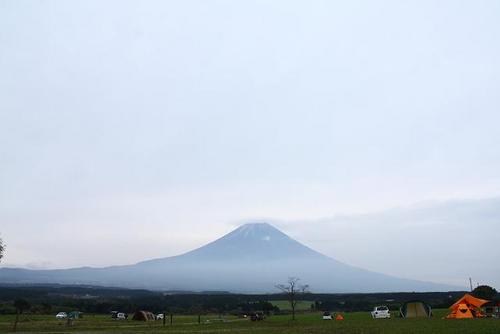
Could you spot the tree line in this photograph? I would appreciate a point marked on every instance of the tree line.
(55, 298)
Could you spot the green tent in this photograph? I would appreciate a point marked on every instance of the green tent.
(415, 309)
(75, 315)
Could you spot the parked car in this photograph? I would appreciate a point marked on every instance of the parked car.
(381, 312)
(61, 315)
(118, 315)
(159, 316)
(327, 316)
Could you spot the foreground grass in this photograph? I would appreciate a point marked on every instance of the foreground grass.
(357, 322)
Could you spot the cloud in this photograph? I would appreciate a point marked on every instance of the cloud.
(443, 241)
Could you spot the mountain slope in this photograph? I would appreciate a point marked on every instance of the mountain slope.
(252, 258)
(249, 241)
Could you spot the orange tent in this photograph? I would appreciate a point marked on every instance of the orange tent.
(339, 317)
(467, 307)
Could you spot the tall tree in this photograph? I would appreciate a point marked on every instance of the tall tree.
(293, 292)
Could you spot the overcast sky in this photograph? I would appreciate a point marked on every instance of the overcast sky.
(138, 129)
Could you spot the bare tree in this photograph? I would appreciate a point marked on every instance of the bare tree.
(293, 292)
(2, 249)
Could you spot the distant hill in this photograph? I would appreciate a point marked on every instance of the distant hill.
(251, 259)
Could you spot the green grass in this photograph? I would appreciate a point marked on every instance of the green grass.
(311, 323)
(284, 305)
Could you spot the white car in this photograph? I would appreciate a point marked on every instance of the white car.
(61, 315)
(159, 316)
(327, 316)
(381, 312)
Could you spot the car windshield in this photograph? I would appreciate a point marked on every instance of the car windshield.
(382, 308)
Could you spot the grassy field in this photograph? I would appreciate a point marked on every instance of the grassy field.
(357, 322)
(302, 305)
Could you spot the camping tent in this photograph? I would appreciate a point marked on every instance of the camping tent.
(467, 307)
(415, 309)
(143, 316)
(75, 315)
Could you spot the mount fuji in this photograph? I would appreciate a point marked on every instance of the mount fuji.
(251, 259)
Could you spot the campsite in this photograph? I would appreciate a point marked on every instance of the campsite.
(98, 310)
(354, 322)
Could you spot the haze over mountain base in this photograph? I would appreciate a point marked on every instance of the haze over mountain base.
(251, 259)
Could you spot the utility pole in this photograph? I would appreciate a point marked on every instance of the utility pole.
(470, 282)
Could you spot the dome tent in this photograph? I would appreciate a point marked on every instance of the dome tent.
(467, 307)
(143, 316)
(415, 309)
(75, 315)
